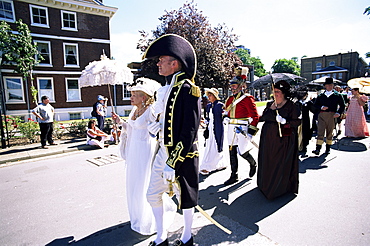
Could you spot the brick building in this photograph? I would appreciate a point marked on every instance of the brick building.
(69, 34)
(342, 66)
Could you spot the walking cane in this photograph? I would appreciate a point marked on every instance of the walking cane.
(114, 122)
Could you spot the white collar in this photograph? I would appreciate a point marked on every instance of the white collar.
(328, 93)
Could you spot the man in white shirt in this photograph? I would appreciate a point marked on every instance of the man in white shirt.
(44, 113)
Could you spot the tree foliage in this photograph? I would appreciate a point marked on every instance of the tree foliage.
(247, 59)
(367, 11)
(19, 50)
(286, 66)
(213, 45)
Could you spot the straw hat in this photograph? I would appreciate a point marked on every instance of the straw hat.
(213, 91)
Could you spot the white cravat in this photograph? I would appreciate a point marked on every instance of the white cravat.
(328, 93)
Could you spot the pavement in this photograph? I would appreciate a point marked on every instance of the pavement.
(14, 154)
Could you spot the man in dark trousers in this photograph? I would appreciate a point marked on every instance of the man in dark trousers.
(241, 112)
(331, 106)
(177, 113)
(44, 113)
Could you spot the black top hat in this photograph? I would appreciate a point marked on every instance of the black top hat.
(176, 46)
(329, 81)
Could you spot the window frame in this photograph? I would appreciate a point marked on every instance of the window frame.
(331, 63)
(39, 94)
(125, 92)
(62, 19)
(13, 12)
(41, 63)
(47, 16)
(10, 101)
(75, 113)
(318, 66)
(65, 55)
(79, 91)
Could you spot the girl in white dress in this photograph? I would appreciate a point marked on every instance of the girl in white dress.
(213, 158)
(137, 148)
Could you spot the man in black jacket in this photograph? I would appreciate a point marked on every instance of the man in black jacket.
(176, 122)
(331, 106)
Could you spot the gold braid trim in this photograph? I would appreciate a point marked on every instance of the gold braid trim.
(195, 91)
(175, 155)
(253, 130)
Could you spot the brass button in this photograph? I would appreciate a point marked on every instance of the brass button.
(170, 114)
(169, 121)
(169, 135)
(169, 128)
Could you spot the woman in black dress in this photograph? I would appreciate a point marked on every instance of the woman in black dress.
(278, 150)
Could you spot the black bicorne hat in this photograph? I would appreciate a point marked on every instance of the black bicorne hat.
(176, 46)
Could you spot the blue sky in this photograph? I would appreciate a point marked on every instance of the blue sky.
(272, 29)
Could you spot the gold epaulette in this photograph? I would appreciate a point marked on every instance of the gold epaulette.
(195, 91)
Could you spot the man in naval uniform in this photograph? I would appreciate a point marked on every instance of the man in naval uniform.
(176, 121)
(241, 115)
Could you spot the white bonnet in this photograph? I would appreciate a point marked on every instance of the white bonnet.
(146, 85)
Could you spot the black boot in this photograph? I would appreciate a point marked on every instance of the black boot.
(252, 163)
(317, 150)
(327, 150)
(234, 166)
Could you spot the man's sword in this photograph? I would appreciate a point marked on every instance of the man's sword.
(238, 129)
(171, 193)
(212, 220)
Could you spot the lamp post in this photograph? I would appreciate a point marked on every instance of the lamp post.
(3, 143)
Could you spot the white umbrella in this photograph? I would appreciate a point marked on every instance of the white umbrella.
(105, 72)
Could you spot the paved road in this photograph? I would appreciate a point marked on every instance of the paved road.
(65, 199)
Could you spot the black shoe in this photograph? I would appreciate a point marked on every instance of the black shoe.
(316, 152)
(327, 150)
(252, 170)
(231, 180)
(53, 144)
(44, 147)
(164, 243)
(178, 242)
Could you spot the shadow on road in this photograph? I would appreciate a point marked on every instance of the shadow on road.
(116, 235)
(315, 162)
(350, 145)
(247, 209)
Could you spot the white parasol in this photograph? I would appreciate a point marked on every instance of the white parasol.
(105, 72)
(363, 84)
